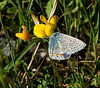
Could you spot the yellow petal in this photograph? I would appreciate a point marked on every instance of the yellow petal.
(19, 35)
(24, 35)
(42, 31)
(43, 19)
(40, 27)
(24, 30)
(49, 30)
(39, 30)
(54, 19)
(40, 34)
(53, 26)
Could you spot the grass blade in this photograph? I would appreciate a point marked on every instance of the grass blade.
(22, 53)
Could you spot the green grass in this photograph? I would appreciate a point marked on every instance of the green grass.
(81, 20)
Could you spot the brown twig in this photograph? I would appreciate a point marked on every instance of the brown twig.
(86, 61)
(31, 61)
(38, 68)
(63, 15)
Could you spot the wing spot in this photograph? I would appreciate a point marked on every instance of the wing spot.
(74, 47)
(76, 43)
(57, 55)
(72, 50)
(61, 55)
(50, 51)
(71, 41)
(61, 39)
(65, 43)
(53, 53)
(79, 44)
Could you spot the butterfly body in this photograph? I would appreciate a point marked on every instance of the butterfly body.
(61, 46)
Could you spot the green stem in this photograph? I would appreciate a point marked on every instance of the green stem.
(29, 6)
(54, 67)
(21, 17)
(12, 54)
(12, 3)
(65, 18)
(56, 72)
(94, 47)
(19, 6)
(88, 50)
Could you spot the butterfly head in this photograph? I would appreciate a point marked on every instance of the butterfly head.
(55, 35)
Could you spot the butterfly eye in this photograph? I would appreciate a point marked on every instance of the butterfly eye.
(55, 34)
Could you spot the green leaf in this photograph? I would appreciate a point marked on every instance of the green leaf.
(68, 81)
(29, 6)
(11, 10)
(96, 38)
(44, 83)
(97, 67)
(21, 17)
(87, 33)
(96, 28)
(39, 86)
(2, 4)
(71, 26)
(49, 7)
(97, 63)
(2, 80)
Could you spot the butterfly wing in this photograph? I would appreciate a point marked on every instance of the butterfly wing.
(55, 50)
(71, 45)
(61, 46)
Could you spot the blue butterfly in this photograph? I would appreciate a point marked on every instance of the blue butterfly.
(61, 46)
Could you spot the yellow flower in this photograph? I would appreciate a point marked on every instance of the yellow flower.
(39, 30)
(24, 35)
(47, 29)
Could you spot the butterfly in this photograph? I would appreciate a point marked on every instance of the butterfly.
(61, 46)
